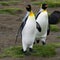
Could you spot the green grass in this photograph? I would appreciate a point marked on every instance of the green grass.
(56, 45)
(50, 3)
(6, 3)
(59, 20)
(44, 51)
(10, 11)
(33, 0)
(54, 28)
(52, 0)
(41, 51)
(58, 37)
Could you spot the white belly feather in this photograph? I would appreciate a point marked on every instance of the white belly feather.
(43, 22)
(28, 33)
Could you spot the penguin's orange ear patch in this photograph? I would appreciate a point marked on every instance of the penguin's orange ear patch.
(31, 14)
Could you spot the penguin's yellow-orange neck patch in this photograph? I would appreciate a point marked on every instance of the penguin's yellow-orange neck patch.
(31, 14)
(44, 10)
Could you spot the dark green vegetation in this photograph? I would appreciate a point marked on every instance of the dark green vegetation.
(42, 51)
(7, 3)
(58, 37)
(10, 11)
(54, 28)
(51, 3)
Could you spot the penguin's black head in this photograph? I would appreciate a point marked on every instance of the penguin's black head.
(28, 8)
(44, 6)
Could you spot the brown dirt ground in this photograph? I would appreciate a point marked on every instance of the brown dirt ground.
(9, 25)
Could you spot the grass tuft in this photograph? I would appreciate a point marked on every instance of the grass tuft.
(50, 4)
(58, 37)
(54, 28)
(44, 51)
(10, 11)
(56, 45)
(59, 20)
(5, 3)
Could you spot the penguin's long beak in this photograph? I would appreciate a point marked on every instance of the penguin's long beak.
(31, 14)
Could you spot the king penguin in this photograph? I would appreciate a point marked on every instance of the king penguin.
(42, 20)
(28, 29)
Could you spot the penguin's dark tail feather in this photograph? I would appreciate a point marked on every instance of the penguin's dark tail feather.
(18, 32)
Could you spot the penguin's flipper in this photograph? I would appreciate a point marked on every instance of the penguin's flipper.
(38, 27)
(20, 29)
(37, 15)
(23, 24)
(48, 30)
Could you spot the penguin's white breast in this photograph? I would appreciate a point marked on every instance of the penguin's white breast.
(29, 30)
(43, 22)
(43, 19)
(30, 26)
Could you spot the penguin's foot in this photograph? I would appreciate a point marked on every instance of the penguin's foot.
(34, 43)
(22, 50)
(25, 52)
(43, 43)
(31, 50)
(37, 41)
